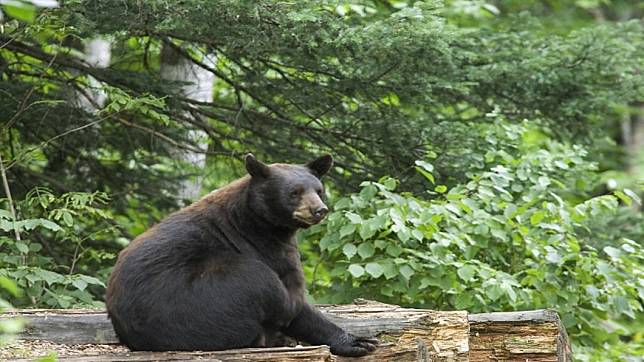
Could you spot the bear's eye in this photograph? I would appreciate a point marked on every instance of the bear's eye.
(319, 191)
(295, 193)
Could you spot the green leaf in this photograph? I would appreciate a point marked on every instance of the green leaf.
(368, 192)
(417, 234)
(35, 247)
(510, 211)
(453, 208)
(349, 250)
(343, 203)
(67, 218)
(463, 300)
(389, 183)
(628, 248)
(354, 218)
(10, 286)
(627, 200)
(633, 195)
(543, 181)
(387, 290)
(22, 247)
(6, 225)
(347, 229)
(79, 284)
(403, 234)
(622, 306)
(481, 229)
(493, 291)
(394, 250)
(50, 225)
(49, 276)
(20, 10)
(356, 270)
(380, 244)
(12, 325)
(466, 272)
(366, 250)
(327, 241)
(498, 233)
(537, 217)
(367, 230)
(440, 189)
(5, 214)
(30, 224)
(91, 280)
(466, 205)
(380, 221)
(561, 165)
(51, 357)
(391, 271)
(509, 291)
(406, 271)
(425, 165)
(374, 269)
(614, 253)
(553, 257)
(425, 169)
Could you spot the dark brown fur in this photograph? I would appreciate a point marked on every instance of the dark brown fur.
(225, 271)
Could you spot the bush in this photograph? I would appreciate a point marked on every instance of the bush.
(514, 237)
(9, 327)
(53, 262)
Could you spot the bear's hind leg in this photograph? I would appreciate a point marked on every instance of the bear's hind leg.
(234, 304)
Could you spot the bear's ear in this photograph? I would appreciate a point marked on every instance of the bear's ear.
(256, 168)
(321, 165)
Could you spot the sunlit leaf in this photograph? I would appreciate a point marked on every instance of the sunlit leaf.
(356, 270)
(374, 269)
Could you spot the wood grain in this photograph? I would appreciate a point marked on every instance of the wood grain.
(536, 336)
(405, 335)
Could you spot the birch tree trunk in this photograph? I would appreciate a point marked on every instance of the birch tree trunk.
(198, 86)
(633, 127)
(633, 136)
(98, 54)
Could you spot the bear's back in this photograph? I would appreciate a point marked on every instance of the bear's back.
(179, 245)
(201, 225)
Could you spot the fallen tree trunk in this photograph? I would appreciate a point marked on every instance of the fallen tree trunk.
(535, 336)
(405, 335)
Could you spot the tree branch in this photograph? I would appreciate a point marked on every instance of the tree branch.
(7, 191)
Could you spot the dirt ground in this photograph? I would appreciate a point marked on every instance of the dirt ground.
(32, 349)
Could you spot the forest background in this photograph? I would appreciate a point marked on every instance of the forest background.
(489, 154)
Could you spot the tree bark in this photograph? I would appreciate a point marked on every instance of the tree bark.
(535, 336)
(98, 54)
(198, 86)
(405, 335)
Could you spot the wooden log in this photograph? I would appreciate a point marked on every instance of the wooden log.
(405, 335)
(65, 326)
(535, 336)
(287, 354)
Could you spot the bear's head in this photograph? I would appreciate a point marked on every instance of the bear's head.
(288, 195)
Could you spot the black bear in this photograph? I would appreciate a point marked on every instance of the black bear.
(225, 271)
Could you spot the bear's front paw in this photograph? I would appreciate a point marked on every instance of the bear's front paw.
(350, 346)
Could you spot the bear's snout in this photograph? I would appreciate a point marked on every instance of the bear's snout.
(320, 212)
(310, 210)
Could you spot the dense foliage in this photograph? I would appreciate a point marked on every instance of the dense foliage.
(495, 129)
(295, 79)
(515, 237)
(51, 230)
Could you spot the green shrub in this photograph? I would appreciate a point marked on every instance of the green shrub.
(514, 237)
(54, 262)
(9, 327)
